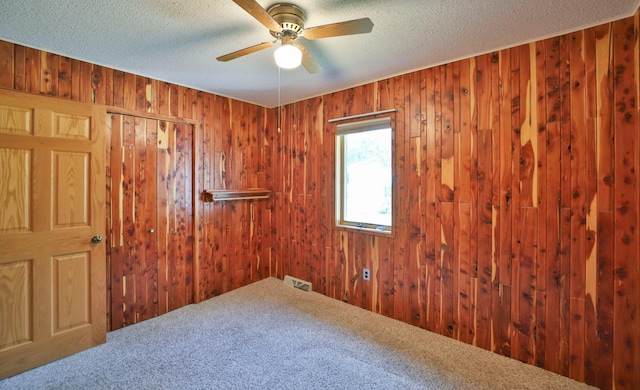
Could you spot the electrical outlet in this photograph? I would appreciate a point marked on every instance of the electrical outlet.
(366, 274)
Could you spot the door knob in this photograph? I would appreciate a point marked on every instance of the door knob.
(96, 239)
(152, 230)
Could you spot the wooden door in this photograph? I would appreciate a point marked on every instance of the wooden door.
(52, 275)
(150, 218)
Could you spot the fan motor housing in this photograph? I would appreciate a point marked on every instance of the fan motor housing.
(290, 17)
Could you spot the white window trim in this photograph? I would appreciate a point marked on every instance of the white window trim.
(351, 128)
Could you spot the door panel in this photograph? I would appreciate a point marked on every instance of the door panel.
(52, 277)
(132, 253)
(71, 281)
(16, 120)
(150, 231)
(70, 198)
(15, 176)
(14, 326)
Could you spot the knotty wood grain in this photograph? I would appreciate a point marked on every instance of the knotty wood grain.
(625, 351)
(7, 61)
(536, 125)
(515, 223)
(38, 72)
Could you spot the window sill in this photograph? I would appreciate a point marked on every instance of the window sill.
(366, 230)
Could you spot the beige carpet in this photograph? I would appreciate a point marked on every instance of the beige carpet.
(270, 336)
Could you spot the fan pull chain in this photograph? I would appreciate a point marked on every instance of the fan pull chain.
(295, 117)
(279, 108)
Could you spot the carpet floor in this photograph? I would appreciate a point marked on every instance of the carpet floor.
(271, 336)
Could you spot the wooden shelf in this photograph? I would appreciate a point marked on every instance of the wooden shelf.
(249, 193)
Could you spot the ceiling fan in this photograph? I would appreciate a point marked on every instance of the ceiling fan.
(286, 23)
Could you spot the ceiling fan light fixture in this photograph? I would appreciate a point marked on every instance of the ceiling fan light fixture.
(286, 23)
(288, 56)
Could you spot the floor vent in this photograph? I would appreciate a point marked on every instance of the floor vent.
(297, 283)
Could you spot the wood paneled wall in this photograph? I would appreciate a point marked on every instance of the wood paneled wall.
(228, 250)
(235, 250)
(516, 228)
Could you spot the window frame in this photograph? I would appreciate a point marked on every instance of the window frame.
(357, 126)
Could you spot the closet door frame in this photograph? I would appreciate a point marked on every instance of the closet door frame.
(143, 227)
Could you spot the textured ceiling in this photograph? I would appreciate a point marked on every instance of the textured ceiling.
(178, 41)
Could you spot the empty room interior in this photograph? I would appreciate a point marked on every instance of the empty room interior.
(469, 171)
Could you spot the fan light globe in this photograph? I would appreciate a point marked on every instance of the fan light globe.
(288, 56)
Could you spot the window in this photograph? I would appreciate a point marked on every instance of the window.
(364, 175)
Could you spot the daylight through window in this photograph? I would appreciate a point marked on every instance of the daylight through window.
(364, 175)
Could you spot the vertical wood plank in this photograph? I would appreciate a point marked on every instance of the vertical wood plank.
(401, 260)
(576, 339)
(432, 261)
(76, 73)
(108, 86)
(432, 168)
(485, 221)
(64, 77)
(129, 98)
(605, 303)
(539, 123)
(115, 232)
(128, 216)
(415, 226)
(7, 62)
(108, 218)
(464, 155)
(543, 252)
(118, 88)
(32, 70)
(162, 215)
(447, 250)
(578, 167)
(99, 84)
(565, 97)
(504, 204)
(525, 320)
(48, 74)
(552, 212)
(514, 195)
(19, 67)
(625, 345)
(564, 317)
(591, 271)
(436, 302)
(552, 238)
(140, 297)
(464, 286)
(447, 136)
(84, 86)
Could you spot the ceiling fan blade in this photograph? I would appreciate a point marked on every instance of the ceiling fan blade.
(308, 61)
(259, 13)
(356, 26)
(245, 51)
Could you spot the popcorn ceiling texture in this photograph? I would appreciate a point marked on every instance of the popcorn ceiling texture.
(178, 41)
